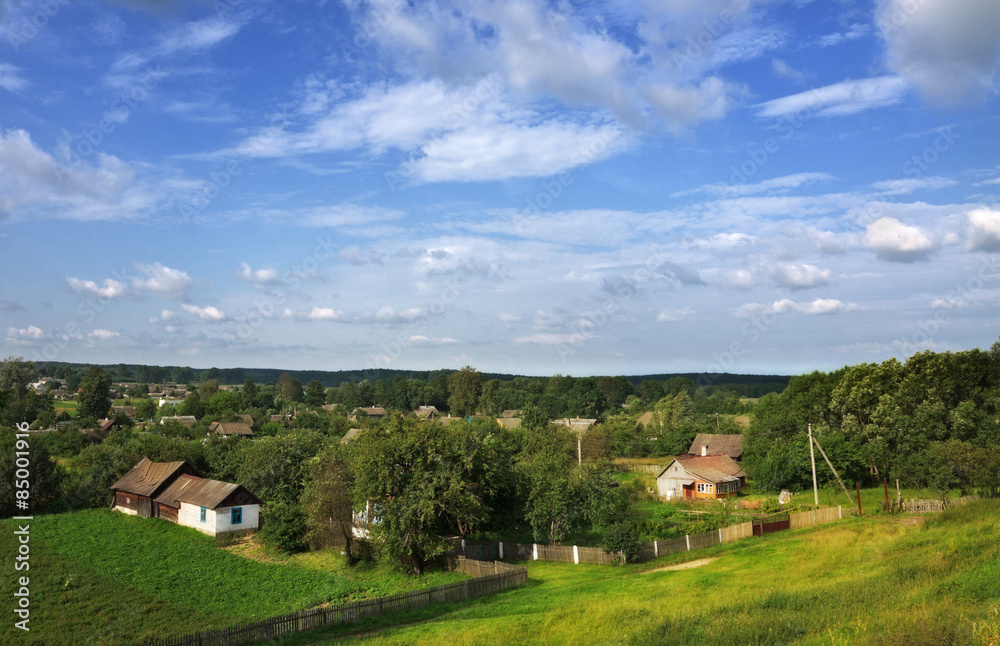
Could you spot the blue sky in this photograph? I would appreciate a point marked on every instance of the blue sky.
(575, 187)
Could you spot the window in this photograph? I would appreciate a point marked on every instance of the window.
(237, 515)
(202, 514)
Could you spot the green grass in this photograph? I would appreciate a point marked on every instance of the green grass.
(870, 580)
(100, 577)
(65, 405)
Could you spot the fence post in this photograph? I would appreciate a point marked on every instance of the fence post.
(720, 534)
(534, 551)
(463, 546)
(688, 538)
(656, 549)
(576, 555)
(840, 511)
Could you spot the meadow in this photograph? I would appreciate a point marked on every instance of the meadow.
(879, 580)
(100, 577)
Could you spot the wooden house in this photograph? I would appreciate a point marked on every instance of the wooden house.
(135, 491)
(231, 429)
(427, 412)
(701, 477)
(210, 506)
(711, 444)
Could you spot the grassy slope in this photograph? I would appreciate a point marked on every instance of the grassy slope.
(102, 577)
(860, 581)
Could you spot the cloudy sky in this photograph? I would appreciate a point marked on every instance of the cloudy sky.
(573, 186)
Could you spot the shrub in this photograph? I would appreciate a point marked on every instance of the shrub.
(622, 539)
(284, 527)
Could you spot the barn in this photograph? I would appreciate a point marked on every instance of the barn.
(134, 492)
(210, 506)
(701, 477)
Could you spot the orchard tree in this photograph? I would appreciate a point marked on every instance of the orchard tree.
(95, 394)
(327, 501)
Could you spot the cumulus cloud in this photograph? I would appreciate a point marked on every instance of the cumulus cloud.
(260, 277)
(798, 275)
(672, 316)
(785, 305)
(949, 50)
(892, 240)
(103, 334)
(325, 314)
(30, 333)
(162, 280)
(108, 290)
(207, 313)
(984, 230)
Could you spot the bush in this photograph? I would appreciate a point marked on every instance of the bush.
(284, 527)
(622, 539)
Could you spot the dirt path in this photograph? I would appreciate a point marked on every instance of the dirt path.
(683, 566)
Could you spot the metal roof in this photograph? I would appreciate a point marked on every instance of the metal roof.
(146, 477)
(198, 491)
(731, 445)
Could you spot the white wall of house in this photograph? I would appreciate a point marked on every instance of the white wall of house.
(670, 484)
(126, 510)
(217, 520)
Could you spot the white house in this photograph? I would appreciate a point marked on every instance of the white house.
(210, 506)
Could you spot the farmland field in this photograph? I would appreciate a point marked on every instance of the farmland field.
(877, 580)
(100, 577)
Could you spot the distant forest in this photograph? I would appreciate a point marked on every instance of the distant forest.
(743, 385)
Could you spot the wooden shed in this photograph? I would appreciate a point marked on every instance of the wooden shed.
(135, 491)
(210, 506)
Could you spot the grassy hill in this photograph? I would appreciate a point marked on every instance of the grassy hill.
(100, 577)
(881, 581)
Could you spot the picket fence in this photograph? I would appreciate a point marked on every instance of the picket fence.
(490, 578)
(924, 505)
(488, 550)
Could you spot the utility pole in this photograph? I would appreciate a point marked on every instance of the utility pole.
(812, 458)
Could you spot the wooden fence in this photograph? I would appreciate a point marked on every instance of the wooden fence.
(932, 504)
(491, 578)
(815, 517)
(650, 469)
(596, 555)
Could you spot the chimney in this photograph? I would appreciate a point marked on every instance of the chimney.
(704, 450)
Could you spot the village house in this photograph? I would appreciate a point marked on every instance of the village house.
(187, 421)
(350, 435)
(427, 412)
(696, 477)
(372, 412)
(134, 492)
(711, 444)
(177, 492)
(210, 506)
(231, 429)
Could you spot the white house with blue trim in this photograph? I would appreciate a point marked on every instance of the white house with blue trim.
(210, 506)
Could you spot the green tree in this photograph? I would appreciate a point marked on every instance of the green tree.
(622, 539)
(145, 409)
(290, 388)
(489, 399)
(208, 388)
(95, 394)
(284, 527)
(465, 386)
(42, 486)
(328, 501)
(315, 393)
(554, 494)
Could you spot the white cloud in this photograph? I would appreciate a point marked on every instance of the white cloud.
(721, 241)
(546, 338)
(103, 334)
(420, 339)
(799, 275)
(10, 78)
(111, 288)
(324, 314)
(784, 305)
(510, 318)
(905, 186)
(163, 281)
(949, 50)
(681, 105)
(773, 185)
(208, 313)
(30, 333)
(984, 230)
(165, 316)
(988, 182)
(892, 240)
(672, 316)
(948, 303)
(781, 68)
(265, 276)
(34, 183)
(840, 99)
(857, 30)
